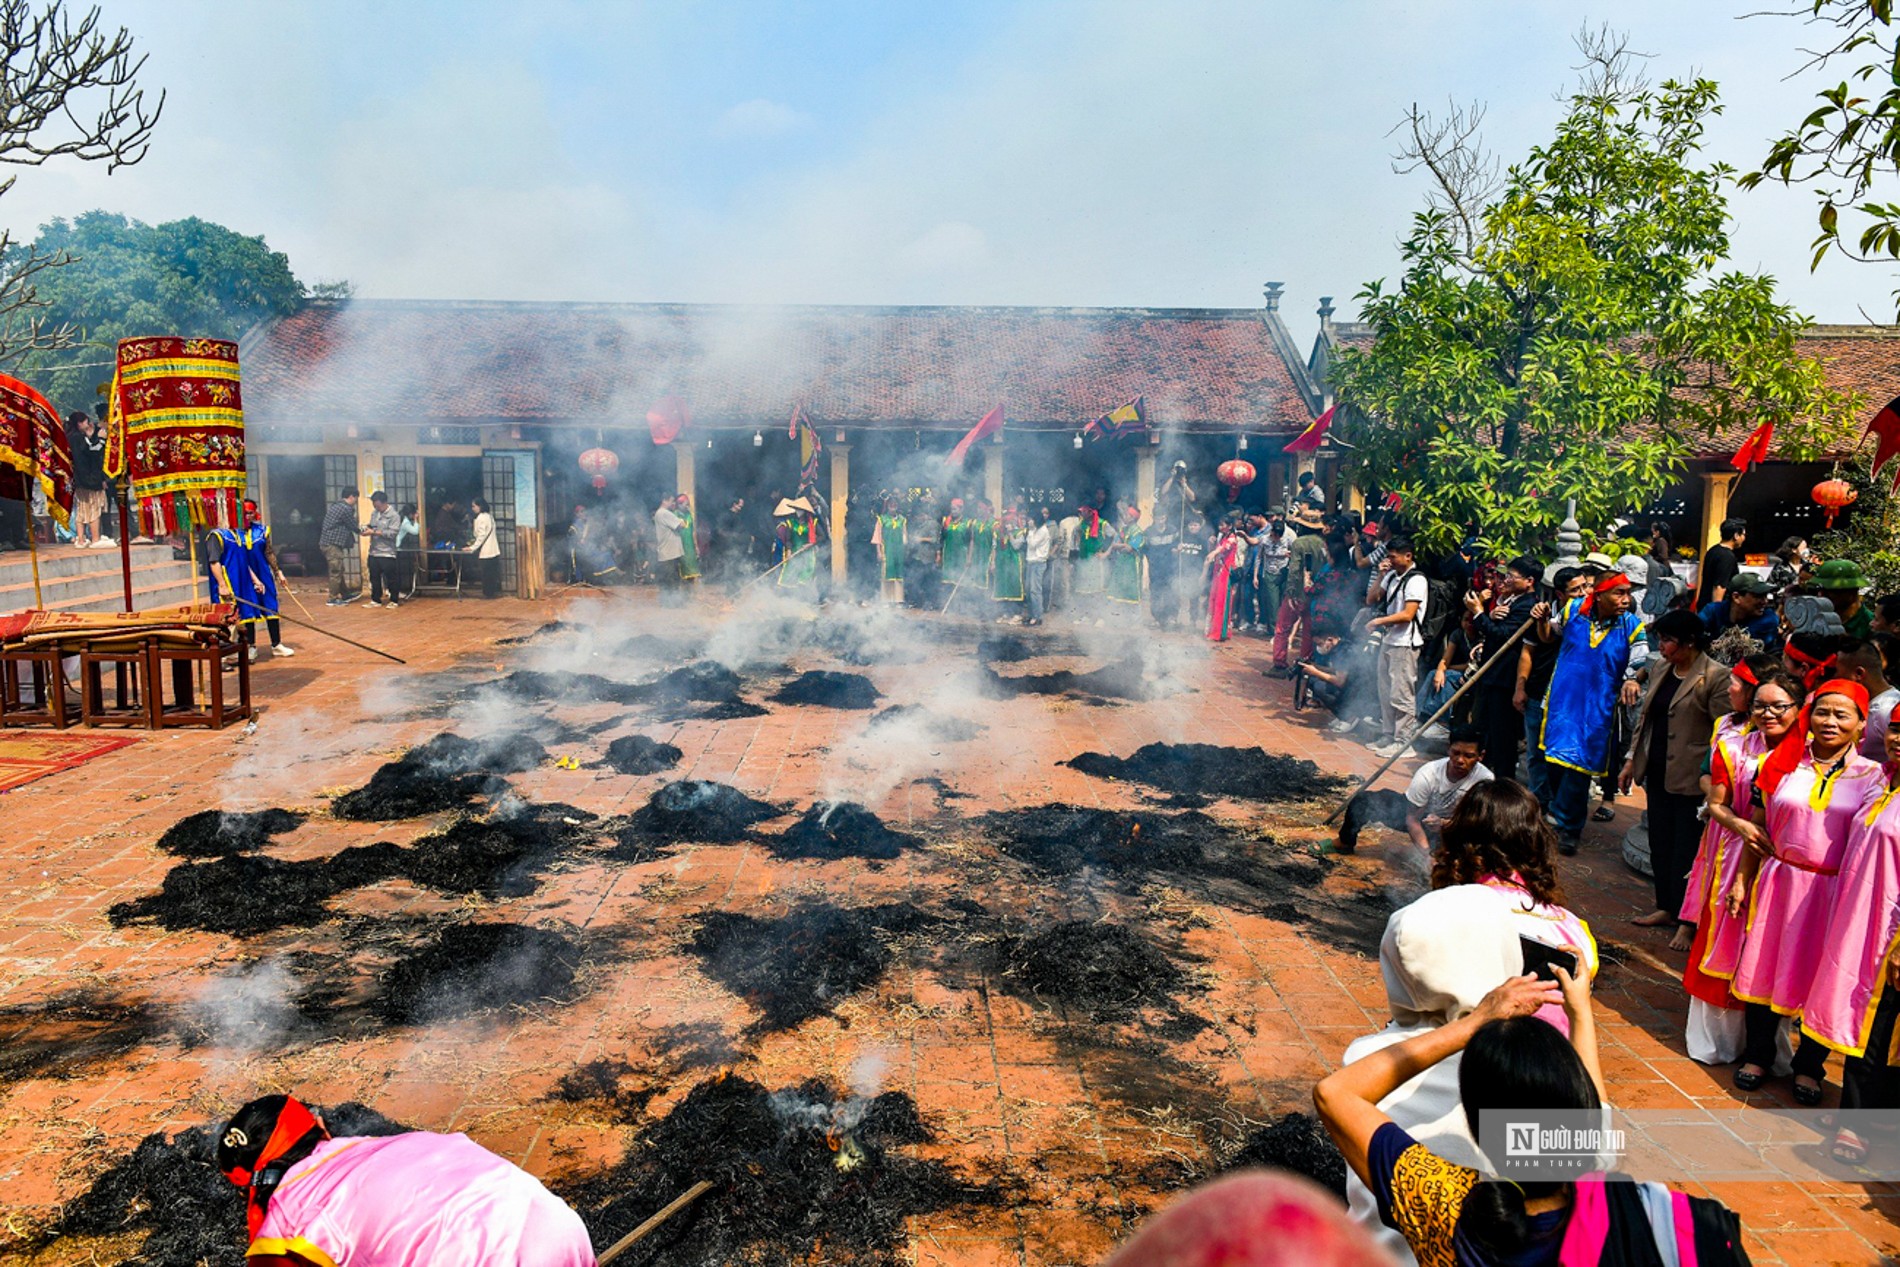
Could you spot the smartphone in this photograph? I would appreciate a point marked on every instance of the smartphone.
(1538, 958)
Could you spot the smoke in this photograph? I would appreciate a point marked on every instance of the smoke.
(250, 1008)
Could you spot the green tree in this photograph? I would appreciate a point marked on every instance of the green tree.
(1564, 328)
(125, 278)
(1849, 141)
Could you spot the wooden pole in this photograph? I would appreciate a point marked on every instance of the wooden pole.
(647, 1228)
(361, 646)
(125, 541)
(1431, 721)
(33, 552)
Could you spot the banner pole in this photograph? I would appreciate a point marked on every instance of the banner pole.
(125, 542)
(33, 551)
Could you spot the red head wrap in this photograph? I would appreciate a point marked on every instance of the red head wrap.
(1610, 582)
(1741, 672)
(1812, 670)
(1130, 513)
(1787, 754)
(294, 1124)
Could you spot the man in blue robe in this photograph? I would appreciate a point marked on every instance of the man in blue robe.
(1596, 635)
(242, 567)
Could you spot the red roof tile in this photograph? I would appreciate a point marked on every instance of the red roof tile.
(387, 360)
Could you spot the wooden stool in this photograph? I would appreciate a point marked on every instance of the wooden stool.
(184, 709)
(135, 697)
(38, 663)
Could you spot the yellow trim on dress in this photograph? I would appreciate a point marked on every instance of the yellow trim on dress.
(285, 1246)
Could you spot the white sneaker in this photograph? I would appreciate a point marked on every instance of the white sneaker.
(282, 648)
(372, 603)
(1339, 726)
(105, 543)
(253, 656)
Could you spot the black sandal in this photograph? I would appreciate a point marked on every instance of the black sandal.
(1807, 1097)
(1746, 1081)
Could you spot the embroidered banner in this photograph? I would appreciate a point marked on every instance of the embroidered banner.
(34, 447)
(177, 426)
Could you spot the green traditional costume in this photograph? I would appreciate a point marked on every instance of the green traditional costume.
(891, 542)
(1090, 574)
(689, 547)
(1124, 566)
(959, 535)
(982, 550)
(1006, 578)
(800, 569)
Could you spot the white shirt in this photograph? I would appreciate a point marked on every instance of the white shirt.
(1070, 530)
(1041, 541)
(1434, 795)
(1873, 745)
(486, 547)
(1397, 591)
(666, 535)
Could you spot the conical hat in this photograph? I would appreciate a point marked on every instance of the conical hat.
(791, 506)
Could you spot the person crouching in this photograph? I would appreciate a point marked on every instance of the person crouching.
(317, 1201)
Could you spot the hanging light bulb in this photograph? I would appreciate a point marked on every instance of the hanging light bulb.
(709, 442)
(1243, 444)
(758, 439)
(1078, 441)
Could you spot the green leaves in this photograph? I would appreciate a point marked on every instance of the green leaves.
(1585, 341)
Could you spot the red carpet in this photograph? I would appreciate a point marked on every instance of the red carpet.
(26, 755)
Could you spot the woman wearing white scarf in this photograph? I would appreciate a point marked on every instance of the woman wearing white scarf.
(1440, 956)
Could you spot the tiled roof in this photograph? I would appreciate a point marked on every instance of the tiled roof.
(391, 361)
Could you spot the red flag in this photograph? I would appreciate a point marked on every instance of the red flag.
(668, 418)
(991, 423)
(1310, 439)
(1395, 502)
(1754, 450)
(1886, 425)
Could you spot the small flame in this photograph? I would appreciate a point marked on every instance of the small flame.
(832, 1140)
(1134, 832)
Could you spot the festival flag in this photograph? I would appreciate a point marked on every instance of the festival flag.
(1395, 502)
(1886, 425)
(1118, 422)
(809, 447)
(176, 425)
(1314, 435)
(1754, 450)
(33, 444)
(991, 423)
(668, 418)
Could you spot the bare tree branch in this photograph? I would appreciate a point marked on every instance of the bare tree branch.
(1465, 175)
(68, 90)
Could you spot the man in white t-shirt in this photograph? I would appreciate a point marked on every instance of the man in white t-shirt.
(667, 551)
(1439, 785)
(1400, 592)
(1865, 662)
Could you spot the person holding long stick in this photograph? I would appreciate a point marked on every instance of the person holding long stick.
(243, 572)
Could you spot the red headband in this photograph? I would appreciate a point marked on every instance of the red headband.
(1741, 672)
(1817, 669)
(1788, 753)
(1609, 583)
(294, 1122)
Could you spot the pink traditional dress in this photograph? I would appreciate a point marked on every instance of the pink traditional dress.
(418, 1200)
(1809, 815)
(1222, 559)
(1733, 759)
(1862, 931)
(1549, 925)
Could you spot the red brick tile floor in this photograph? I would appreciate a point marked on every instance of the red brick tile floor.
(1084, 1126)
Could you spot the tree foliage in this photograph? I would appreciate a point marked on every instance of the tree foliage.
(125, 278)
(1870, 534)
(1566, 329)
(1849, 141)
(68, 90)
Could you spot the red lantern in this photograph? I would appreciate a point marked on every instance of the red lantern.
(600, 463)
(1236, 474)
(1834, 494)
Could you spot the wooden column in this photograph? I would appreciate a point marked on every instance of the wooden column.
(685, 473)
(840, 509)
(993, 473)
(1716, 486)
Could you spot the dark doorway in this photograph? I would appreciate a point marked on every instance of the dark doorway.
(295, 495)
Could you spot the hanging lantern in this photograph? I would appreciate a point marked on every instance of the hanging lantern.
(1834, 494)
(1236, 475)
(600, 463)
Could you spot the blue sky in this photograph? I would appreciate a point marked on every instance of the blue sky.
(994, 151)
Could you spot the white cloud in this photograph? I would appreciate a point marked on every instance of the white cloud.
(759, 119)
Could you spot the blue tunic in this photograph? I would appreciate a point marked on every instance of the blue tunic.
(242, 555)
(1578, 704)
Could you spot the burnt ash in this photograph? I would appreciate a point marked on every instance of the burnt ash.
(600, 1082)
(215, 833)
(1209, 769)
(827, 688)
(171, 1188)
(248, 894)
(639, 754)
(800, 965)
(840, 829)
(1299, 1143)
(706, 680)
(1107, 972)
(780, 1194)
(534, 635)
(934, 725)
(730, 710)
(1063, 839)
(444, 773)
(1122, 680)
(1013, 648)
(71, 1034)
(496, 857)
(566, 688)
(699, 810)
(471, 968)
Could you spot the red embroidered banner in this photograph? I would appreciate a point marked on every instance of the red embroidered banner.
(33, 447)
(177, 426)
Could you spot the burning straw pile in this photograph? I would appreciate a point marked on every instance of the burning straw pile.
(172, 1188)
(639, 754)
(840, 829)
(443, 773)
(800, 965)
(1202, 769)
(215, 833)
(826, 688)
(469, 968)
(801, 1175)
(696, 809)
(1106, 972)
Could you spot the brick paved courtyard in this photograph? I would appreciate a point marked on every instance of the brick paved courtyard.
(110, 1033)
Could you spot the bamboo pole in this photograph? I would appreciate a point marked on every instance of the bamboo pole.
(33, 552)
(125, 541)
(361, 646)
(1457, 695)
(647, 1228)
